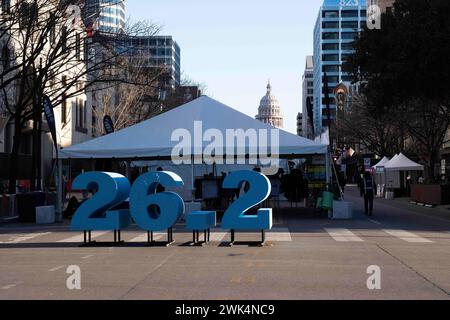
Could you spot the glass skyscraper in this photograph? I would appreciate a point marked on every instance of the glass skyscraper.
(163, 51)
(337, 25)
(108, 15)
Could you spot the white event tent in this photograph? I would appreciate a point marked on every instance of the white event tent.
(152, 139)
(382, 163)
(399, 163)
(402, 163)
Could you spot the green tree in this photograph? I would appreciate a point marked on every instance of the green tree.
(404, 71)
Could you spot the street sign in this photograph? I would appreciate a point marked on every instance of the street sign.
(366, 163)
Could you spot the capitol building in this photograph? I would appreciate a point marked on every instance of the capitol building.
(269, 110)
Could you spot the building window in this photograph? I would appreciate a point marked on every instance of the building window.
(347, 46)
(64, 102)
(64, 38)
(6, 59)
(330, 14)
(6, 6)
(330, 35)
(28, 14)
(78, 47)
(349, 14)
(350, 24)
(349, 35)
(80, 111)
(330, 46)
(330, 25)
(80, 107)
(330, 57)
(332, 68)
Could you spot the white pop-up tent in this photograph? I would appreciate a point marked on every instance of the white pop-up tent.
(382, 163)
(399, 163)
(402, 163)
(154, 138)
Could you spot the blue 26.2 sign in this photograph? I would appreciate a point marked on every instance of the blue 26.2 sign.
(158, 211)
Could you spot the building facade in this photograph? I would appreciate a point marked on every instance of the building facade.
(307, 92)
(162, 51)
(300, 124)
(105, 15)
(337, 25)
(65, 80)
(269, 110)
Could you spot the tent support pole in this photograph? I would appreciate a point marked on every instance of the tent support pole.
(59, 193)
(328, 176)
(328, 167)
(192, 179)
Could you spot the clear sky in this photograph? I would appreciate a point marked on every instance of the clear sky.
(235, 46)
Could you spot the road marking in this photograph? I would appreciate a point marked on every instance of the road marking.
(236, 280)
(407, 236)
(143, 237)
(56, 268)
(80, 238)
(374, 221)
(279, 235)
(10, 286)
(256, 264)
(88, 256)
(218, 236)
(250, 280)
(21, 238)
(343, 235)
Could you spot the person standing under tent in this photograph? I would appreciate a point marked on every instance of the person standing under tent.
(367, 188)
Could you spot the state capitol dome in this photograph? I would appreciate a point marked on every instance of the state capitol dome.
(269, 110)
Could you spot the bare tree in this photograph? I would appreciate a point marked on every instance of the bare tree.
(127, 103)
(378, 132)
(44, 43)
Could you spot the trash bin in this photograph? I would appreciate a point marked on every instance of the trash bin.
(327, 202)
(27, 203)
(45, 215)
(319, 203)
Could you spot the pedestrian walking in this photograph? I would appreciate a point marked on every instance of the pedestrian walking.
(367, 189)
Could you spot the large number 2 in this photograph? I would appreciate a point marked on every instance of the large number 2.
(111, 190)
(235, 218)
(145, 202)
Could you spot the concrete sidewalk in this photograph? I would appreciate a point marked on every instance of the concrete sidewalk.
(441, 212)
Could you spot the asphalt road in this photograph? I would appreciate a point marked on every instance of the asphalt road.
(303, 259)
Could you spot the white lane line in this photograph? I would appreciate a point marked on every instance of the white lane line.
(407, 236)
(343, 235)
(17, 238)
(88, 256)
(56, 268)
(143, 237)
(218, 236)
(10, 286)
(80, 238)
(374, 221)
(279, 235)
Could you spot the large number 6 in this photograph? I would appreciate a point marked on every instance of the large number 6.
(145, 202)
(93, 214)
(234, 218)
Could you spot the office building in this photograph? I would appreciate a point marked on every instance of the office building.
(300, 124)
(105, 15)
(162, 51)
(307, 92)
(336, 28)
